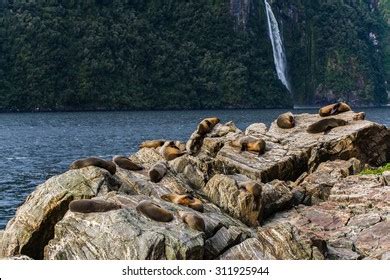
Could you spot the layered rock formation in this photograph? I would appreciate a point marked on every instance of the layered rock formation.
(301, 199)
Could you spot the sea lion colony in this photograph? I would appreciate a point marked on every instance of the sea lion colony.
(170, 150)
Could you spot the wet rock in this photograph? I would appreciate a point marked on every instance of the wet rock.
(32, 227)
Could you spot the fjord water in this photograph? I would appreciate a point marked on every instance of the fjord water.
(36, 146)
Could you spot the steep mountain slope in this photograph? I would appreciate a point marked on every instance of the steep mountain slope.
(133, 54)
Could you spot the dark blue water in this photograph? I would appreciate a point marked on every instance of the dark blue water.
(34, 147)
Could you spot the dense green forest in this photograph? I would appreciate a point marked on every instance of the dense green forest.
(180, 54)
(336, 49)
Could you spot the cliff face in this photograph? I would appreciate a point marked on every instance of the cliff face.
(335, 50)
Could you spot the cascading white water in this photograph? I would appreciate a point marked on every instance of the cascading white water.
(277, 46)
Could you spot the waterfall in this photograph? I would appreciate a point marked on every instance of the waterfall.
(277, 46)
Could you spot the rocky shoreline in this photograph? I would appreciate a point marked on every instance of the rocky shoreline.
(312, 202)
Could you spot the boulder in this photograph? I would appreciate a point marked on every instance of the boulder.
(127, 234)
(224, 191)
(33, 225)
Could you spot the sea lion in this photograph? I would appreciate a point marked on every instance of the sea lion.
(158, 171)
(185, 200)
(325, 125)
(206, 125)
(169, 151)
(193, 221)
(152, 144)
(255, 189)
(334, 109)
(359, 116)
(126, 163)
(92, 161)
(252, 144)
(286, 120)
(92, 205)
(154, 211)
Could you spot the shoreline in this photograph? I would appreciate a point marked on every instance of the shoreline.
(295, 107)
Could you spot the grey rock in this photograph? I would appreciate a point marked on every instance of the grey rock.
(221, 241)
(32, 227)
(250, 249)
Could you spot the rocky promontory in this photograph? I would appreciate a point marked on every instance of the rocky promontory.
(301, 198)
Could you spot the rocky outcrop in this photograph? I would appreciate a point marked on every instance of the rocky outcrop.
(301, 199)
(290, 152)
(352, 224)
(33, 225)
(127, 234)
(316, 186)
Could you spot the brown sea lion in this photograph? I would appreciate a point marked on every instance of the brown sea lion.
(169, 151)
(152, 144)
(334, 109)
(92, 205)
(158, 171)
(286, 120)
(206, 125)
(193, 221)
(92, 161)
(359, 116)
(325, 125)
(185, 200)
(154, 211)
(252, 144)
(126, 163)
